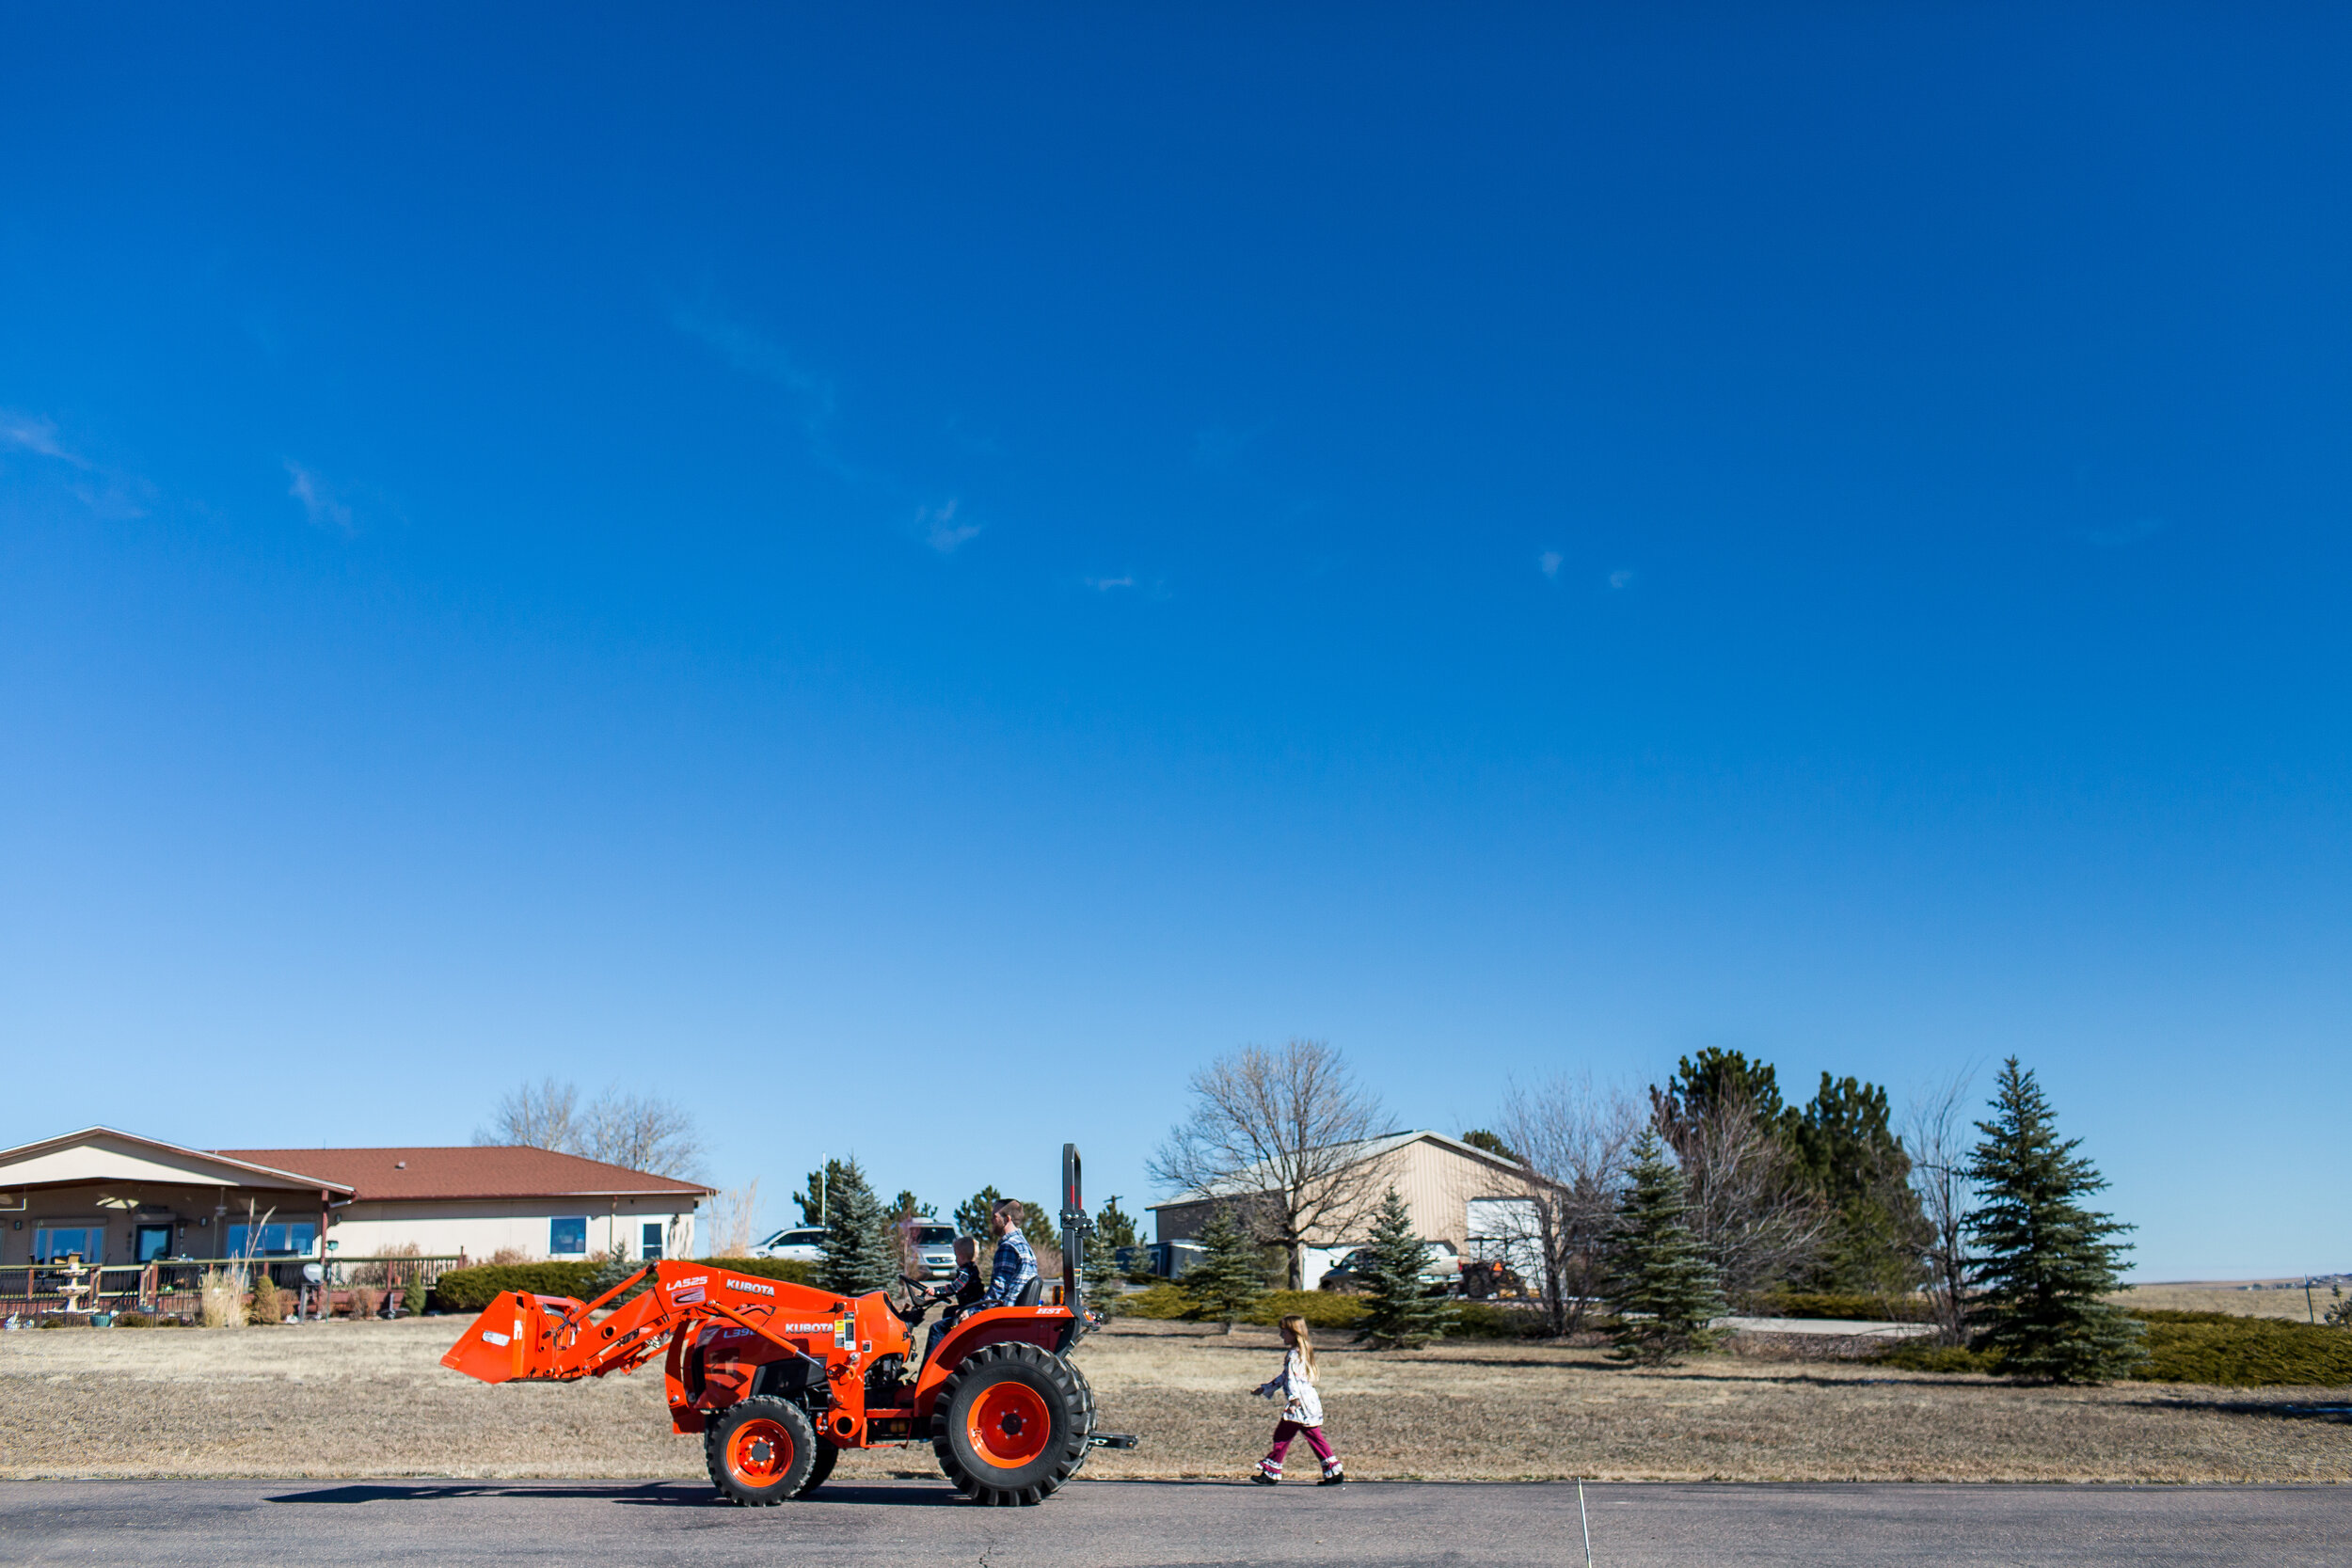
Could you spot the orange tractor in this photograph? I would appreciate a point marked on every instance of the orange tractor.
(779, 1378)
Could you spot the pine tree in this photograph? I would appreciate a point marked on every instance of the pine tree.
(972, 1215)
(1404, 1315)
(2043, 1260)
(1661, 1286)
(1849, 1155)
(861, 1253)
(1114, 1228)
(815, 1204)
(1230, 1278)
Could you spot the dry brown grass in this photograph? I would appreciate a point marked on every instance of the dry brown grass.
(370, 1398)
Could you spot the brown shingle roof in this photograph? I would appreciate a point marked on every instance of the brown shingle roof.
(466, 1172)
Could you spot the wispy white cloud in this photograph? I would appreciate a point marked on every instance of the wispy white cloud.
(940, 530)
(38, 436)
(318, 501)
(752, 354)
(1549, 562)
(1621, 578)
(1104, 585)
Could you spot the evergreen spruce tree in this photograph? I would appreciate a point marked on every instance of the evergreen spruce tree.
(814, 1205)
(1114, 1228)
(1231, 1279)
(1848, 1154)
(1661, 1286)
(2043, 1260)
(1404, 1315)
(972, 1220)
(860, 1252)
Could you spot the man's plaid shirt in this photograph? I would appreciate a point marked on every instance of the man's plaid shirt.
(1015, 1266)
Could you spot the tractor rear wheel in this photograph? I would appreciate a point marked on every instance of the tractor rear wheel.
(761, 1451)
(1011, 1425)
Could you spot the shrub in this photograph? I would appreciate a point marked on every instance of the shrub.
(2246, 1352)
(1824, 1304)
(267, 1307)
(471, 1289)
(1163, 1301)
(133, 1320)
(364, 1302)
(2187, 1347)
(1321, 1308)
(1926, 1355)
(223, 1293)
(1485, 1320)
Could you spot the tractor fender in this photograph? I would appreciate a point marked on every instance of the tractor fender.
(1046, 1327)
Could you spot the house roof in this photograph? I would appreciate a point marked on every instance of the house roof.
(105, 1154)
(1373, 1149)
(469, 1171)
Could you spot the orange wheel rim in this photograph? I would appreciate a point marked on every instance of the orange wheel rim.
(759, 1450)
(1010, 1425)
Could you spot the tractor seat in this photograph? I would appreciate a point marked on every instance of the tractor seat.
(1031, 1293)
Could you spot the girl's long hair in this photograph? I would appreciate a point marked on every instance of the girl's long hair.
(1297, 1326)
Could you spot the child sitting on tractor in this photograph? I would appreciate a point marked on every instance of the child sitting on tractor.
(961, 1294)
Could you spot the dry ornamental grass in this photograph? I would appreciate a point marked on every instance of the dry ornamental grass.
(370, 1399)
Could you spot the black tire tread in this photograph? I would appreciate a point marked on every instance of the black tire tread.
(1077, 1398)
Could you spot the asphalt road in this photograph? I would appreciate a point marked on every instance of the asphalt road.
(1098, 1525)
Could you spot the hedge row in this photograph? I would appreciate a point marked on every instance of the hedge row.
(2191, 1347)
(1822, 1303)
(2244, 1352)
(1321, 1308)
(471, 1289)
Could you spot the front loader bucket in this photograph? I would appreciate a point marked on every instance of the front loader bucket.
(514, 1338)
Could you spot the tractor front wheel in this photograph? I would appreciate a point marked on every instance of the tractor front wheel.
(1011, 1425)
(761, 1451)
(827, 1456)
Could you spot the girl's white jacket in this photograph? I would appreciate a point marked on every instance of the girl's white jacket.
(1301, 1402)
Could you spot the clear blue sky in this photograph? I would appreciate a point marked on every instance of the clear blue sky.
(907, 580)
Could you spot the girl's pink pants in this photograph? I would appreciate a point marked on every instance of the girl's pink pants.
(1284, 1433)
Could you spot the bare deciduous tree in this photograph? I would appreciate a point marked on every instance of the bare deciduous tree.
(1286, 1135)
(641, 1132)
(544, 1115)
(1750, 1208)
(1937, 1129)
(1574, 1140)
(731, 1213)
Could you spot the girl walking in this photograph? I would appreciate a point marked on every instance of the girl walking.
(1302, 1409)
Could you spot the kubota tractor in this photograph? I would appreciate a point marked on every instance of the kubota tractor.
(779, 1378)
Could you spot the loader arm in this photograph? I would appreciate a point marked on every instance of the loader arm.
(523, 1338)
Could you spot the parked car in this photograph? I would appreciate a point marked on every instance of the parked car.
(805, 1244)
(934, 1249)
(1443, 1271)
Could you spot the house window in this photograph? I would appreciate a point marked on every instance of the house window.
(567, 1236)
(52, 1242)
(272, 1240)
(651, 1248)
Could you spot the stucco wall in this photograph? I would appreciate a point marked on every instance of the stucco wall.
(481, 1230)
